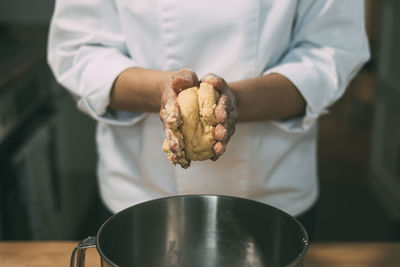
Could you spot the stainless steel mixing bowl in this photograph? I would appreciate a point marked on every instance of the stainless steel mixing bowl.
(198, 231)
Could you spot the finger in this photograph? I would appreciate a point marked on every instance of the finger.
(183, 79)
(162, 115)
(168, 95)
(171, 116)
(214, 80)
(219, 148)
(174, 142)
(230, 126)
(222, 109)
(170, 112)
(220, 132)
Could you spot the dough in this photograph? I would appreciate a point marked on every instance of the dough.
(196, 132)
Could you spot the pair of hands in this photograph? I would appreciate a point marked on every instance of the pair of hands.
(226, 111)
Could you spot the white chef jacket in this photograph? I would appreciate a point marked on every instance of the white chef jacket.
(319, 45)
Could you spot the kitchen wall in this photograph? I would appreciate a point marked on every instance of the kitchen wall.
(26, 12)
(359, 158)
(76, 157)
(75, 149)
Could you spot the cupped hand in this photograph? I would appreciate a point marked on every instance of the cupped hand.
(226, 113)
(170, 112)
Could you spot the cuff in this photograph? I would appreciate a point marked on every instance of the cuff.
(100, 78)
(113, 117)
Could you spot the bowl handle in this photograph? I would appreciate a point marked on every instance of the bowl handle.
(78, 255)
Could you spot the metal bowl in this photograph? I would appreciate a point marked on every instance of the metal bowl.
(199, 231)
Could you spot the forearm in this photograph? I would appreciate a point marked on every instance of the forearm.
(138, 89)
(270, 97)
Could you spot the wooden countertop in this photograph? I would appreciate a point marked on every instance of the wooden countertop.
(46, 254)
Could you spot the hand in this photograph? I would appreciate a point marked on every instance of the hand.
(170, 112)
(226, 113)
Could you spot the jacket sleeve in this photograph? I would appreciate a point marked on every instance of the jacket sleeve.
(86, 52)
(328, 47)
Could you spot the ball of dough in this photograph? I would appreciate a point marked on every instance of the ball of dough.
(196, 133)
